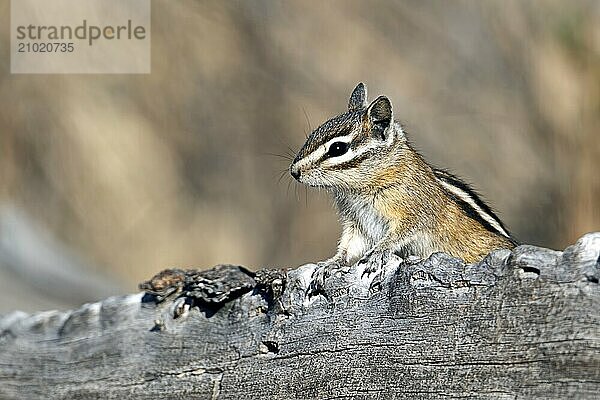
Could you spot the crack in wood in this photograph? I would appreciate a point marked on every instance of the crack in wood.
(437, 329)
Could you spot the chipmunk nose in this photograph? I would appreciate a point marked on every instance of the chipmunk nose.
(295, 172)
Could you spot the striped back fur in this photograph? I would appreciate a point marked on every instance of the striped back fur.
(387, 194)
(470, 203)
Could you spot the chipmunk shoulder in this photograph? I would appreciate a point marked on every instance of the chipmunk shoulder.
(389, 199)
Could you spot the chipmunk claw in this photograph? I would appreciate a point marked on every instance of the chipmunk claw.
(323, 271)
(375, 285)
(375, 260)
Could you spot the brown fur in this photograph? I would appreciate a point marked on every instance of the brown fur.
(388, 197)
(409, 196)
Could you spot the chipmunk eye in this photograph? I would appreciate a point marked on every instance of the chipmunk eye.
(337, 149)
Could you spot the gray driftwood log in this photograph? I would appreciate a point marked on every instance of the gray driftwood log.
(521, 324)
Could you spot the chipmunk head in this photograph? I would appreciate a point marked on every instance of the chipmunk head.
(350, 150)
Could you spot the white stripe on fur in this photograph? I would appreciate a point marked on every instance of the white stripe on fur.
(466, 197)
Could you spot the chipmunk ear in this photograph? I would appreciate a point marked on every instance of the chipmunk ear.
(380, 115)
(358, 98)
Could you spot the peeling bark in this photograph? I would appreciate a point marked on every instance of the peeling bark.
(520, 324)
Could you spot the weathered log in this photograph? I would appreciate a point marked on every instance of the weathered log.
(520, 324)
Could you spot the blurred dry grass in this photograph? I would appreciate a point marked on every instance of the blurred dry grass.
(144, 172)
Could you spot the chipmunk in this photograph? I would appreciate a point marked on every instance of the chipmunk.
(389, 199)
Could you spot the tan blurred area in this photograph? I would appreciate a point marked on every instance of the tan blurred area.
(182, 167)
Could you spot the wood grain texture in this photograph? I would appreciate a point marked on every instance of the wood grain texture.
(521, 324)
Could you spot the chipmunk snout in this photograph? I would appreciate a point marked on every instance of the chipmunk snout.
(295, 171)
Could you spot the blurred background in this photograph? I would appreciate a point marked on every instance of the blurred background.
(107, 179)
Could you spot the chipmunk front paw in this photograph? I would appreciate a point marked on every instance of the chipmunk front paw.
(323, 271)
(374, 261)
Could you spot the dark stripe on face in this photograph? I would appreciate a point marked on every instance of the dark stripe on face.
(342, 125)
(360, 141)
(355, 162)
(357, 142)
